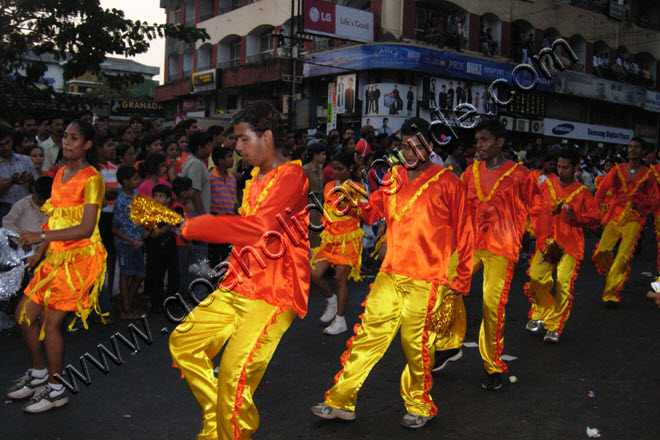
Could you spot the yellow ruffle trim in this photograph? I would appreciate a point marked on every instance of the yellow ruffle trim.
(65, 261)
(354, 237)
(379, 244)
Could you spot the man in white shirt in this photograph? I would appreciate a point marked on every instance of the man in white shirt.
(53, 144)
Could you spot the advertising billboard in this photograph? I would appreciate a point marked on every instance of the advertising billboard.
(335, 20)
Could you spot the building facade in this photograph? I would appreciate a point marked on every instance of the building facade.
(424, 55)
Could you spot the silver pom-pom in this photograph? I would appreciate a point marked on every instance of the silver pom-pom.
(202, 269)
(12, 268)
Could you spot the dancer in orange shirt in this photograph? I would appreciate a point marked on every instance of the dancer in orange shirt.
(655, 168)
(570, 205)
(341, 242)
(266, 285)
(71, 276)
(501, 195)
(634, 195)
(425, 207)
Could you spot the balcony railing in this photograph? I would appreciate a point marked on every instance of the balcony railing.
(203, 16)
(190, 21)
(187, 73)
(257, 58)
(229, 63)
(204, 67)
(172, 76)
(230, 6)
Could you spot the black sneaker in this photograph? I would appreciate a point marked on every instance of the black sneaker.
(491, 381)
(46, 398)
(26, 386)
(442, 358)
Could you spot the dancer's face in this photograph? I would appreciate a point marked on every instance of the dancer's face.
(488, 146)
(249, 144)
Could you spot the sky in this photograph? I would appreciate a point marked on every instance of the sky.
(149, 11)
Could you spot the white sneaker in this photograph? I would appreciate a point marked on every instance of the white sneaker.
(338, 326)
(46, 398)
(330, 310)
(327, 412)
(26, 386)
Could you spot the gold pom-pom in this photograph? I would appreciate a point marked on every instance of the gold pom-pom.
(553, 252)
(444, 315)
(148, 213)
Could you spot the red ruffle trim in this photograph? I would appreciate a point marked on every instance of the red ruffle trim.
(504, 298)
(426, 359)
(349, 344)
(242, 380)
(564, 315)
(526, 289)
(619, 288)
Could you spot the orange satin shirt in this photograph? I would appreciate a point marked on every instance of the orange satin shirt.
(270, 259)
(642, 190)
(656, 172)
(568, 233)
(342, 219)
(427, 220)
(500, 207)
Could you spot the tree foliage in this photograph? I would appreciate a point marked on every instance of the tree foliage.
(78, 34)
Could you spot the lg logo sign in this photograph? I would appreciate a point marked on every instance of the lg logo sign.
(315, 15)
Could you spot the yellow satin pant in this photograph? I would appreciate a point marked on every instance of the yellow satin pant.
(553, 311)
(498, 272)
(395, 301)
(252, 329)
(616, 268)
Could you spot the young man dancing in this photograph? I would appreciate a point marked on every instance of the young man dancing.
(570, 205)
(634, 195)
(266, 285)
(425, 207)
(501, 195)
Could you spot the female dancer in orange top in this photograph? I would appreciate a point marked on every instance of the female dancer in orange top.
(71, 276)
(341, 243)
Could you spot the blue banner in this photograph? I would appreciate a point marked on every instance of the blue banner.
(420, 59)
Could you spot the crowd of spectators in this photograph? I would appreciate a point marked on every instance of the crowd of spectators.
(197, 172)
(623, 69)
(443, 32)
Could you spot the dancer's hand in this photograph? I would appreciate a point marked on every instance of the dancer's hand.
(654, 296)
(27, 237)
(32, 260)
(570, 213)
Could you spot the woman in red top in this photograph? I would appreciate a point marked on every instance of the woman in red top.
(341, 242)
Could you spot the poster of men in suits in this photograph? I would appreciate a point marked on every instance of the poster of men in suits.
(346, 93)
(382, 99)
(446, 94)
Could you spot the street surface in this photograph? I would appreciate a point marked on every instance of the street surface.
(611, 353)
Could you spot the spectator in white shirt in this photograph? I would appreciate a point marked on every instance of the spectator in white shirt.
(26, 214)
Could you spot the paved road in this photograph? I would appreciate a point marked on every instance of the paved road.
(613, 353)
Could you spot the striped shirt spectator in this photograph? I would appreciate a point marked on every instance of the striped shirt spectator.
(223, 193)
(223, 184)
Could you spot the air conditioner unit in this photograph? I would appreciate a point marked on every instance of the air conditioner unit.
(507, 122)
(522, 125)
(283, 51)
(536, 127)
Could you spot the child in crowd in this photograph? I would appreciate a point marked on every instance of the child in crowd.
(183, 190)
(171, 151)
(223, 197)
(128, 241)
(155, 165)
(162, 256)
